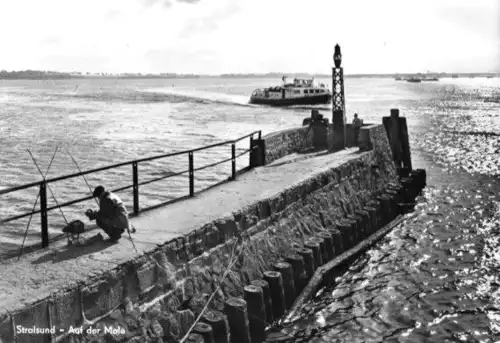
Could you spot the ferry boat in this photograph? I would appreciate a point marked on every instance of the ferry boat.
(414, 79)
(430, 79)
(300, 92)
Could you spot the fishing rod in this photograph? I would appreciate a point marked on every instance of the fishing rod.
(36, 201)
(53, 196)
(78, 167)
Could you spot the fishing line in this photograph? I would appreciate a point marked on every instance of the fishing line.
(36, 201)
(53, 196)
(78, 167)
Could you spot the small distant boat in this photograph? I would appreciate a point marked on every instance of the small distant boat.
(300, 92)
(430, 79)
(489, 76)
(454, 76)
(492, 99)
(399, 78)
(414, 80)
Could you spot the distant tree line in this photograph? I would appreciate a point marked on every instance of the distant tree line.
(34, 74)
(40, 75)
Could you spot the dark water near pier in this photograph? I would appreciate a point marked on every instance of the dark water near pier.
(433, 279)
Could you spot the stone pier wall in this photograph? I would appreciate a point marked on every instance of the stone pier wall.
(158, 295)
(282, 143)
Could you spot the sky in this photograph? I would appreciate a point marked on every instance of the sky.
(250, 36)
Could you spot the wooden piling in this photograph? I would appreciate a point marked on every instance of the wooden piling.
(395, 196)
(308, 256)
(195, 338)
(299, 272)
(345, 229)
(220, 326)
(422, 177)
(365, 223)
(268, 302)
(353, 230)
(204, 330)
(385, 209)
(329, 245)
(394, 205)
(316, 249)
(403, 172)
(337, 241)
(376, 204)
(286, 271)
(322, 248)
(372, 212)
(397, 190)
(254, 297)
(237, 316)
(408, 192)
(275, 281)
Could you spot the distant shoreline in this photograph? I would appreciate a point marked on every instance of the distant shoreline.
(39, 75)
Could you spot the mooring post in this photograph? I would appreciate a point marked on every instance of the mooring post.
(135, 178)
(43, 214)
(405, 143)
(392, 128)
(338, 102)
(395, 137)
(191, 174)
(257, 152)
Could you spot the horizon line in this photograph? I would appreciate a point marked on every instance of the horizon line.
(166, 74)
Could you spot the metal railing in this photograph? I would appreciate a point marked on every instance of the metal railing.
(43, 185)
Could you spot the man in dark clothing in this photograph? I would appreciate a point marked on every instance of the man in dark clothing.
(112, 216)
(356, 123)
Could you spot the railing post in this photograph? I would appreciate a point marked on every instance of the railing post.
(135, 177)
(233, 161)
(191, 174)
(43, 214)
(251, 152)
(260, 135)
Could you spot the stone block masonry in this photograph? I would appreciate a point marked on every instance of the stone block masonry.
(159, 295)
(282, 143)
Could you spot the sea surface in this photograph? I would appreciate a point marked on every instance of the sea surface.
(435, 278)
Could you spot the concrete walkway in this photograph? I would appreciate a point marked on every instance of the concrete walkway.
(40, 273)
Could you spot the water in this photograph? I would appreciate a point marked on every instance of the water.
(432, 279)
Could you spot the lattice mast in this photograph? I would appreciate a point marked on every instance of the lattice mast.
(338, 101)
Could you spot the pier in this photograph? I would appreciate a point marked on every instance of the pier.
(225, 264)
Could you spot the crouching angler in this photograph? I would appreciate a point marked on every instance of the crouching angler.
(112, 216)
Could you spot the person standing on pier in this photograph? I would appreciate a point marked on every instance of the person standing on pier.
(356, 123)
(112, 216)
